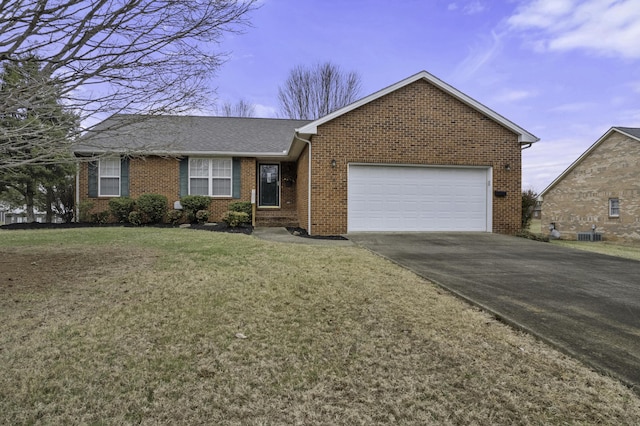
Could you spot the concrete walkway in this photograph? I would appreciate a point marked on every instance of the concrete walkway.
(586, 304)
(283, 236)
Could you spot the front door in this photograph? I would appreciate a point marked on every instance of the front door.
(269, 185)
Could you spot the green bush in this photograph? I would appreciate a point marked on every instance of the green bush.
(529, 199)
(242, 206)
(101, 217)
(85, 211)
(135, 218)
(202, 216)
(234, 219)
(153, 207)
(121, 207)
(174, 216)
(191, 204)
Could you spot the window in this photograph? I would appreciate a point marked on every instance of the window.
(210, 176)
(614, 207)
(109, 177)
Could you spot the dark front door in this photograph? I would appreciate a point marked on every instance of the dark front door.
(269, 185)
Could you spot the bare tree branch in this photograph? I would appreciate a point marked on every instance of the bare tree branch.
(311, 93)
(241, 108)
(117, 56)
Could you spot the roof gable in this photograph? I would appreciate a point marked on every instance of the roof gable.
(523, 136)
(631, 132)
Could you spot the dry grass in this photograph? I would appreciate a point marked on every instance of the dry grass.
(141, 326)
(628, 250)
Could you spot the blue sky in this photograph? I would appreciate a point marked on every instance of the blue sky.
(565, 70)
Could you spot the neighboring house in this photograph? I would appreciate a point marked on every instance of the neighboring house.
(416, 156)
(601, 189)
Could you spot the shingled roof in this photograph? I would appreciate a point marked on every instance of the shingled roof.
(189, 135)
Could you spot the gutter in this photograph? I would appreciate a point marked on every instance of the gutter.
(308, 142)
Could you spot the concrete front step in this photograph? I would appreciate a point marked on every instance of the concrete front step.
(276, 218)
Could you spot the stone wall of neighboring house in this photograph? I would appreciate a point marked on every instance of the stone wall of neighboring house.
(416, 124)
(581, 198)
(160, 175)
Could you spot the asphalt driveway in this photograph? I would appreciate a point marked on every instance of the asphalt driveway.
(586, 304)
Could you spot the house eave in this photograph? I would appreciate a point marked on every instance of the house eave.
(167, 153)
(583, 156)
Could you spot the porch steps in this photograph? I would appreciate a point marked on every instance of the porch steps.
(276, 218)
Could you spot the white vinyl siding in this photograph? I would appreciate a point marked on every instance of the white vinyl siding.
(210, 176)
(419, 199)
(109, 177)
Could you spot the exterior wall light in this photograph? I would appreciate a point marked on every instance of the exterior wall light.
(507, 167)
(333, 163)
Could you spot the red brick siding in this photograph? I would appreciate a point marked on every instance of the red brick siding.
(302, 188)
(158, 175)
(417, 124)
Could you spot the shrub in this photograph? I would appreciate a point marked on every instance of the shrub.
(100, 217)
(85, 211)
(202, 216)
(529, 199)
(174, 216)
(191, 204)
(121, 207)
(135, 218)
(242, 206)
(153, 207)
(234, 219)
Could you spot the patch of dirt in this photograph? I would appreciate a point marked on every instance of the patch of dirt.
(301, 232)
(38, 271)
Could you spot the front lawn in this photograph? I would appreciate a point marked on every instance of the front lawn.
(175, 326)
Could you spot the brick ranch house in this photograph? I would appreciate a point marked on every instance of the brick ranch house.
(418, 155)
(601, 188)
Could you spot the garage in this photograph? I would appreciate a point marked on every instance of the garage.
(420, 199)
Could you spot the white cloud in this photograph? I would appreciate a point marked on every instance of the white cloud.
(573, 107)
(479, 56)
(470, 8)
(265, 111)
(507, 96)
(607, 27)
(473, 8)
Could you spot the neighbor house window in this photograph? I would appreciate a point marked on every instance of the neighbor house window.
(109, 177)
(210, 176)
(614, 207)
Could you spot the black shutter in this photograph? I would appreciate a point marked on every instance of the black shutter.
(124, 177)
(93, 178)
(184, 176)
(236, 181)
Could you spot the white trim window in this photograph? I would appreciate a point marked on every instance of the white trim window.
(614, 207)
(109, 177)
(210, 176)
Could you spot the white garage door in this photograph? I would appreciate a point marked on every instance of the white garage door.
(406, 198)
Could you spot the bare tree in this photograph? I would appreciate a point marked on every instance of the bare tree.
(115, 56)
(241, 108)
(311, 93)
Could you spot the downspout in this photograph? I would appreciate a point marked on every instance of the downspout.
(522, 147)
(77, 209)
(295, 135)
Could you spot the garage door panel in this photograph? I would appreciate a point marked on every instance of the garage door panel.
(392, 198)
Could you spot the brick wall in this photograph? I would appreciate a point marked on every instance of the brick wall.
(581, 198)
(159, 175)
(417, 124)
(302, 188)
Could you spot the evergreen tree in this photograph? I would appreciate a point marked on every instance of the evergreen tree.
(37, 123)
